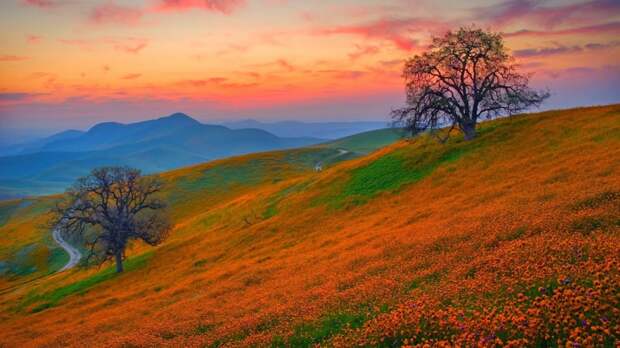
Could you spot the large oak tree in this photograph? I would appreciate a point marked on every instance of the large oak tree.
(109, 208)
(464, 77)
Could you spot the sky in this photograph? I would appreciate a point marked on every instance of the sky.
(73, 63)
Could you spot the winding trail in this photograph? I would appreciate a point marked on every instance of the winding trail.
(74, 254)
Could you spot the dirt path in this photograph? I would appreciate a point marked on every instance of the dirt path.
(74, 254)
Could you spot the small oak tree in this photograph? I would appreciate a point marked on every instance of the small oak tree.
(464, 77)
(109, 208)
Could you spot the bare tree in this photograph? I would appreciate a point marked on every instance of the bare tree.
(109, 208)
(464, 77)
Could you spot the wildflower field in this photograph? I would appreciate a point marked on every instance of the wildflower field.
(512, 239)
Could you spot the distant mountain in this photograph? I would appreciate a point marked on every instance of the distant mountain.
(37, 144)
(326, 130)
(153, 146)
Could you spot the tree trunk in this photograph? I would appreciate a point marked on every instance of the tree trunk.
(469, 130)
(119, 261)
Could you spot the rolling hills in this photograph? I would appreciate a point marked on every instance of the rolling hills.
(510, 239)
(323, 130)
(49, 165)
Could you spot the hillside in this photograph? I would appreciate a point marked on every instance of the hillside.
(44, 166)
(510, 239)
(323, 130)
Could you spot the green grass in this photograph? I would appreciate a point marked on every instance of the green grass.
(274, 200)
(427, 279)
(598, 200)
(589, 224)
(271, 211)
(52, 298)
(57, 259)
(329, 325)
(364, 143)
(7, 209)
(391, 172)
(224, 176)
(23, 263)
(309, 334)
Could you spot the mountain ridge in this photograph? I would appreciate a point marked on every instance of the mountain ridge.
(153, 145)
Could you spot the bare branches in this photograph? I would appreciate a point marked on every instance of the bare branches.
(110, 207)
(465, 76)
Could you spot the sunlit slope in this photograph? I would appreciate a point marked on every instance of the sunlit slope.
(366, 142)
(28, 251)
(512, 237)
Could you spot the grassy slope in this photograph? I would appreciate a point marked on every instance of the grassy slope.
(366, 142)
(22, 231)
(417, 241)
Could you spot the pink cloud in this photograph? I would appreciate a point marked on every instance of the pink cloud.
(219, 82)
(126, 45)
(391, 63)
(233, 49)
(223, 6)
(9, 97)
(131, 45)
(40, 3)
(33, 39)
(344, 74)
(396, 31)
(613, 28)
(285, 65)
(111, 13)
(535, 11)
(12, 58)
(363, 51)
(562, 49)
(131, 76)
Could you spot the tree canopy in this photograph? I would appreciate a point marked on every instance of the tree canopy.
(464, 77)
(109, 208)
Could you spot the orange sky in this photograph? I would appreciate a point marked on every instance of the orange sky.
(71, 63)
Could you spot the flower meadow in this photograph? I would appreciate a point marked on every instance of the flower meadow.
(512, 239)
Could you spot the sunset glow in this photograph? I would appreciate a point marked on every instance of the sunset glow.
(69, 63)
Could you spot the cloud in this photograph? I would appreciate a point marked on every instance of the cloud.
(363, 51)
(546, 51)
(535, 11)
(612, 27)
(111, 13)
(344, 74)
(131, 76)
(285, 65)
(561, 49)
(41, 3)
(129, 45)
(17, 97)
(397, 31)
(392, 63)
(33, 39)
(12, 58)
(222, 6)
(232, 49)
(218, 82)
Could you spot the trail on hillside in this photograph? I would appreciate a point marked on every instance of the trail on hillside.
(74, 254)
(318, 166)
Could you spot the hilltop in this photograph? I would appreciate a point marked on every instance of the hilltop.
(512, 238)
(323, 130)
